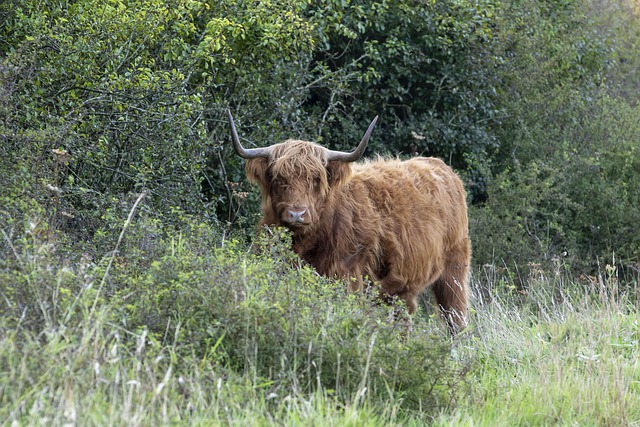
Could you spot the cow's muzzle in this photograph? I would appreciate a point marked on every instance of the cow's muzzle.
(297, 216)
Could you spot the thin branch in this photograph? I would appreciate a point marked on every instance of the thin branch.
(115, 250)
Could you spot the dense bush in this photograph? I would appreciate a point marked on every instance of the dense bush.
(566, 170)
(532, 102)
(422, 68)
(131, 93)
(294, 330)
(289, 331)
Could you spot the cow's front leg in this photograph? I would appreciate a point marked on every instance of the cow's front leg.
(395, 286)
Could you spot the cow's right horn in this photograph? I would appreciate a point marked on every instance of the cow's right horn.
(358, 152)
(247, 153)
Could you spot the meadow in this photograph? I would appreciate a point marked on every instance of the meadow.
(135, 290)
(196, 329)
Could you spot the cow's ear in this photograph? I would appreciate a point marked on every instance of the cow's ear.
(339, 173)
(257, 171)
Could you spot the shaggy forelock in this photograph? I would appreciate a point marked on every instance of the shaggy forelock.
(299, 160)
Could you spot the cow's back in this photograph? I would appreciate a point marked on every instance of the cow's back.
(420, 212)
(416, 192)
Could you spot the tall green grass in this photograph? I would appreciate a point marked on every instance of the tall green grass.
(186, 327)
(558, 351)
(166, 330)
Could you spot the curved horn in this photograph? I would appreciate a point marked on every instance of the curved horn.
(246, 153)
(355, 154)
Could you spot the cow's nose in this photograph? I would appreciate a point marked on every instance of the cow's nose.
(297, 216)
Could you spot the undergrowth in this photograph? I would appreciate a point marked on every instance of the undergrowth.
(189, 326)
(180, 326)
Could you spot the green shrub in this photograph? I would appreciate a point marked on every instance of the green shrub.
(288, 328)
(565, 174)
(258, 317)
(580, 201)
(426, 69)
(132, 92)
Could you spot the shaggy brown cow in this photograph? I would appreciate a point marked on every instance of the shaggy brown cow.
(402, 224)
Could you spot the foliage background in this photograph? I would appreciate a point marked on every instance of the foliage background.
(534, 103)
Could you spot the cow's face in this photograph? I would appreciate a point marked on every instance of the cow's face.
(297, 178)
(296, 182)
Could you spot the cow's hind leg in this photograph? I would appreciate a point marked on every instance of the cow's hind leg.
(451, 290)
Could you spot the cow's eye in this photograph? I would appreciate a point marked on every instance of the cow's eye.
(316, 182)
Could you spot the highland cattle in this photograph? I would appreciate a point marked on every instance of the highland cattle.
(401, 224)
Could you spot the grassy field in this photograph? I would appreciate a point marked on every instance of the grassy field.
(193, 329)
(562, 354)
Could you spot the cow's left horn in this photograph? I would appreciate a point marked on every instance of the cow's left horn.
(358, 152)
(247, 153)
